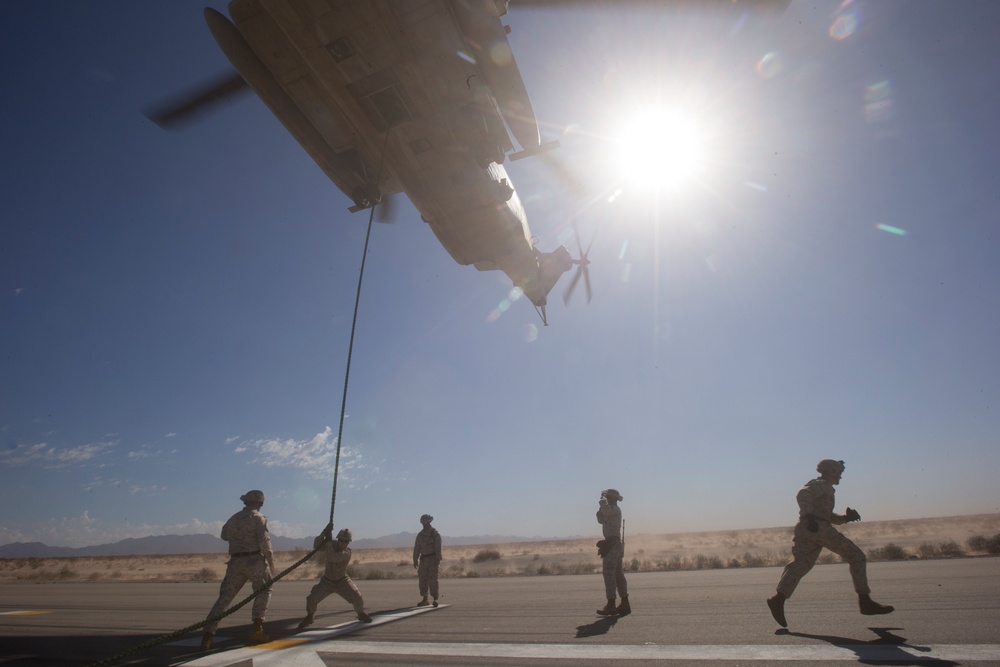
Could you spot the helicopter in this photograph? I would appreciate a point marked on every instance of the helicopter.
(419, 97)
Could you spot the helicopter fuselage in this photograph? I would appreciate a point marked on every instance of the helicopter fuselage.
(411, 96)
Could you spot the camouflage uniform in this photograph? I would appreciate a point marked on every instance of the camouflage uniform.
(335, 580)
(612, 562)
(250, 559)
(816, 498)
(427, 557)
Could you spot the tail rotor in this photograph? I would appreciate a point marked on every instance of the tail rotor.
(581, 270)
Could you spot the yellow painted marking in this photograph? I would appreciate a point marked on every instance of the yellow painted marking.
(33, 612)
(279, 644)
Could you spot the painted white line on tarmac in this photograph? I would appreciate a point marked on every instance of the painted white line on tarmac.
(297, 649)
(292, 653)
(865, 652)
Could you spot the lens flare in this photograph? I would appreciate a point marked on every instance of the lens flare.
(892, 230)
(878, 102)
(771, 65)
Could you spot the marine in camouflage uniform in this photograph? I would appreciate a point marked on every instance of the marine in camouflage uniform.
(250, 559)
(426, 558)
(612, 553)
(334, 579)
(814, 531)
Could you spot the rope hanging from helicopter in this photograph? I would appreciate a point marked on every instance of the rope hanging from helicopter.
(354, 323)
(115, 659)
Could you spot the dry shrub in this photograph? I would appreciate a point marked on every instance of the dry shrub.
(375, 574)
(890, 551)
(981, 543)
(484, 555)
(943, 550)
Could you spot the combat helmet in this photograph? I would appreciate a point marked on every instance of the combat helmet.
(255, 496)
(829, 465)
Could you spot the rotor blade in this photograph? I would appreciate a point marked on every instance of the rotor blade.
(579, 246)
(586, 281)
(189, 106)
(572, 286)
(754, 5)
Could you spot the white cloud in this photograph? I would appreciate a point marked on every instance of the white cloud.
(143, 452)
(317, 455)
(55, 457)
(129, 486)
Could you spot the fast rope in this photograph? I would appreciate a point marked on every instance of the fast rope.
(336, 470)
(354, 324)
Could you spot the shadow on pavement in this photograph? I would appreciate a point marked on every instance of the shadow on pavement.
(887, 649)
(598, 627)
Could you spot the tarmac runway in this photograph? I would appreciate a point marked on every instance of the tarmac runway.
(947, 613)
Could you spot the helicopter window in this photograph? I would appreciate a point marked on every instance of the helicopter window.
(340, 49)
(382, 98)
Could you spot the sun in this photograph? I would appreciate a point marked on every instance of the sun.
(661, 149)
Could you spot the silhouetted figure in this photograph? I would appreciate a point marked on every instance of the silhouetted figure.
(612, 552)
(813, 532)
(426, 558)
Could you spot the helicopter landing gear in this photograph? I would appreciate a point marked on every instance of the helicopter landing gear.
(366, 196)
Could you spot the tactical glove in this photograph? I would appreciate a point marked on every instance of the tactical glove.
(811, 525)
(327, 533)
(852, 515)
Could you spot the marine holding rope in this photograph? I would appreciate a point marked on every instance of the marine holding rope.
(334, 579)
(250, 559)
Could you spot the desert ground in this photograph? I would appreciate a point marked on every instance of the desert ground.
(942, 537)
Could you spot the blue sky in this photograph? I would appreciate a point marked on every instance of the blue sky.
(175, 307)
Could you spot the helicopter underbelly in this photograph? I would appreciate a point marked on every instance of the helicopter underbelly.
(387, 90)
(477, 216)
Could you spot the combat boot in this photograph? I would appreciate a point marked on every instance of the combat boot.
(776, 603)
(871, 608)
(364, 618)
(306, 622)
(257, 635)
(609, 608)
(206, 641)
(423, 602)
(435, 602)
(624, 609)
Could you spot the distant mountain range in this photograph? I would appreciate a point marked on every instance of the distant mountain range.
(206, 544)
